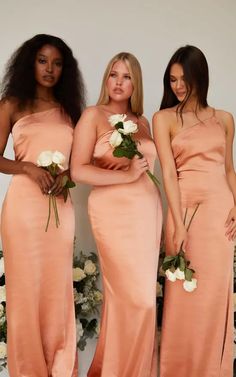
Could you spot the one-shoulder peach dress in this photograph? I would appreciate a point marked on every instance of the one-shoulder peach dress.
(41, 336)
(197, 332)
(126, 221)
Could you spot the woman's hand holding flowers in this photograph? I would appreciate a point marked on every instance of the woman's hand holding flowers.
(41, 176)
(137, 167)
(180, 237)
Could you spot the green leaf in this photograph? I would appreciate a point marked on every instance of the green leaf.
(118, 152)
(70, 184)
(119, 125)
(64, 181)
(188, 274)
(181, 263)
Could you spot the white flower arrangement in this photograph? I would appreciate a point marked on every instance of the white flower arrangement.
(53, 162)
(122, 142)
(87, 297)
(177, 267)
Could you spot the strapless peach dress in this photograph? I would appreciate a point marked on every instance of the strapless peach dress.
(197, 332)
(40, 308)
(126, 221)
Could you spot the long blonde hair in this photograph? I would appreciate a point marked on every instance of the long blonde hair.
(136, 99)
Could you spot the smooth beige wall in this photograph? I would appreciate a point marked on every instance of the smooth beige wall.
(151, 29)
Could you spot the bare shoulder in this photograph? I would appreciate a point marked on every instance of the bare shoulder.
(226, 119)
(8, 108)
(164, 117)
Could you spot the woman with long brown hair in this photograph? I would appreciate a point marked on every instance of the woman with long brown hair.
(194, 143)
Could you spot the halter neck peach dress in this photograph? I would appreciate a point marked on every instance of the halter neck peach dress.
(197, 331)
(41, 335)
(126, 221)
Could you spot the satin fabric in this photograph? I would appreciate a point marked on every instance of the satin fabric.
(38, 265)
(126, 222)
(197, 331)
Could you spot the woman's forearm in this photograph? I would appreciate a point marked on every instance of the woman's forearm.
(96, 176)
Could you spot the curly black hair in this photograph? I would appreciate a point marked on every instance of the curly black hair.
(19, 80)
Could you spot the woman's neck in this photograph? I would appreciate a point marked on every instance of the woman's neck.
(118, 107)
(45, 94)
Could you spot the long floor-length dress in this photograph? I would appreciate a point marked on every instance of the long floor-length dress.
(197, 330)
(38, 265)
(126, 222)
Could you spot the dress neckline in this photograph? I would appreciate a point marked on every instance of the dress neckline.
(33, 114)
(194, 125)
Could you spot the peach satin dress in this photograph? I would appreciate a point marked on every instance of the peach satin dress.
(197, 332)
(126, 221)
(40, 306)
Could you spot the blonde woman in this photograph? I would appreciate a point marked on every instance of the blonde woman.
(126, 216)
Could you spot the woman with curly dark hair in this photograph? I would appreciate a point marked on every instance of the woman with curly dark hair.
(42, 99)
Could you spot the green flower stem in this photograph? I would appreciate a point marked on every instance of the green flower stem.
(55, 211)
(151, 176)
(49, 213)
(192, 216)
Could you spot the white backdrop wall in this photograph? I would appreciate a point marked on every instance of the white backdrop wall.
(150, 29)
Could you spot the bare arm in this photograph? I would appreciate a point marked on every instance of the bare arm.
(161, 132)
(228, 122)
(82, 169)
(7, 166)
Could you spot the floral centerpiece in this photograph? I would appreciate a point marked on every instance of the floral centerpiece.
(3, 322)
(87, 296)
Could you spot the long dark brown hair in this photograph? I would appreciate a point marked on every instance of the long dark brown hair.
(19, 80)
(196, 77)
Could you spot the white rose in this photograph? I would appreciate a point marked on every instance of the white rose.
(2, 293)
(129, 127)
(3, 350)
(97, 328)
(2, 311)
(98, 296)
(79, 329)
(2, 320)
(1, 267)
(114, 119)
(89, 267)
(179, 274)
(78, 274)
(115, 139)
(189, 286)
(45, 158)
(170, 275)
(59, 159)
(85, 307)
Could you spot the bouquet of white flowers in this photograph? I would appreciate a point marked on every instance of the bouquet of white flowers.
(122, 142)
(3, 321)
(87, 297)
(53, 162)
(177, 267)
